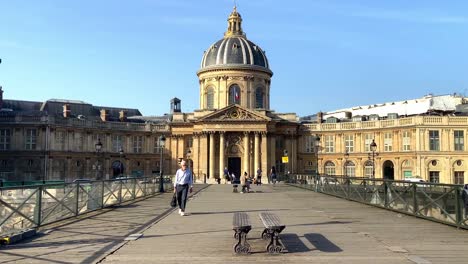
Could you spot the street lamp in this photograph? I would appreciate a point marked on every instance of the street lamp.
(97, 166)
(121, 152)
(316, 151)
(346, 156)
(372, 155)
(162, 143)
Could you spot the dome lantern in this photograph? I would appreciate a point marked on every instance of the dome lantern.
(234, 24)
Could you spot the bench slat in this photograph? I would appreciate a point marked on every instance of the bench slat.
(240, 219)
(270, 220)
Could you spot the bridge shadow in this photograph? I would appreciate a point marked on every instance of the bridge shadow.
(322, 243)
(293, 243)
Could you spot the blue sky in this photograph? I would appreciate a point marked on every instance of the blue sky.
(325, 54)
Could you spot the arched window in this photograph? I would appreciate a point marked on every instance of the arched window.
(259, 98)
(330, 168)
(368, 169)
(234, 94)
(350, 169)
(210, 98)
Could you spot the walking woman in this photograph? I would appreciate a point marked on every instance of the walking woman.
(183, 185)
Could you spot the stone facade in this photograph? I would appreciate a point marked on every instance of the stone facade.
(234, 128)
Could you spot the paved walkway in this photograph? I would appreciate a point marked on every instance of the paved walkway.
(320, 229)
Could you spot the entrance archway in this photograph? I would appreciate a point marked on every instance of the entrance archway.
(234, 166)
(388, 170)
(118, 169)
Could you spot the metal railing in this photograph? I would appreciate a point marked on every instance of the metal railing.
(437, 202)
(25, 207)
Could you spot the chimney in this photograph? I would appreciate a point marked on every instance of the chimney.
(104, 115)
(348, 115)
(66, 110)
(319, 117)
(1, 98)
(123, 116)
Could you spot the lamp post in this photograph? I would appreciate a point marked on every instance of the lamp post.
(345, 167)
(285, 154)
(121, 152)
(97, 166)
(372, 155)
(316, 151)
(162, 143)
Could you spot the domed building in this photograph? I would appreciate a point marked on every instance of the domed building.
(234, 127)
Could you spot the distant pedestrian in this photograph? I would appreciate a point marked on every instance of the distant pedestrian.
(183, 185)
(273, 174)
(244, 182)
(226, 175)
(234, 182)
(465, 199)
(259, 177)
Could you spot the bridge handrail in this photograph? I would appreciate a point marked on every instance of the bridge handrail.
(37, 205)
(432, 201)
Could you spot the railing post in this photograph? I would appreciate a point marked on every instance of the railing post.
(77, 198)
(348, 187)
(38, 207)
(415, 200)
(120, 191)
(365, 190)
(458, 211)
(144, 187)
(385, 194)
(102, 194)
(134, 188)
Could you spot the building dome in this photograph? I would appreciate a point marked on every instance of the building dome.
(234, 50)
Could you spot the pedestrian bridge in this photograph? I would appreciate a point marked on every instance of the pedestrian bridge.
(324, 223)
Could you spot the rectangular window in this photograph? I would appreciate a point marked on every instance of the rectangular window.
(349, 143)
(388, 141)
(434, 141)
(368, 171)
(31, 139)
(137, 144)
(117, 142)
(434, 176)
(459, 140)
(350, 171)
(330, 145)
(79, 141)
(367, 141)
(60, 140)
(459, 177)
(406, 141)
(309, 144)
(5, 139)
(279, 143)
(157, 145)
(189, 142)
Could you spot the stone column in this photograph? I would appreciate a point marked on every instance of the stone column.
(256, 153)
(203, 155)
(221, 154)
(212, 156)
(245, 160)
(273, 153)
(195, 154)
(173, 148)
(264, 158)
(293, 154)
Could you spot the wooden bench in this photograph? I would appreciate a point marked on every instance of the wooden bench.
(273, 228)
(241, 226)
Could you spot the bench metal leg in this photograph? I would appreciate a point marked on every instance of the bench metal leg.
(242, 246)
(274, 246)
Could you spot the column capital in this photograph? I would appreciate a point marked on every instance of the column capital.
(246, 133)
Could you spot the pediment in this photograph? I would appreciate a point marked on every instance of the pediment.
(234, 113)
